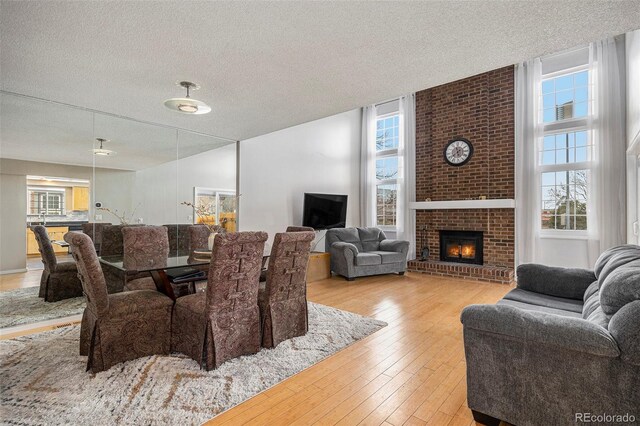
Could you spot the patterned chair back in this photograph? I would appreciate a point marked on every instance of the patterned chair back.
(90, 272)
(45, 248)
(287, 272)
(234, 273)
(145, 246)
(111, 240)
(198, 237)
(300, 229)
(179, 237)
(94, 231)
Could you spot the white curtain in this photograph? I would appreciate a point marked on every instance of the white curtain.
(406, 217)
(528, 203)
(368, 167)
(607, 198)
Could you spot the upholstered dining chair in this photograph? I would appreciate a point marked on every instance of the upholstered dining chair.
(143, 246)
(283, 299)
(111, 240)
(300, 229)
(59, 280)
(199, 235)
(178, 238)
(223, 322)
(117, 327)
(94, 231)
(263, 274)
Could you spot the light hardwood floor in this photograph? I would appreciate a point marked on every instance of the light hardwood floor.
(411, 372)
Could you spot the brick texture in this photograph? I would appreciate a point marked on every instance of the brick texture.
(480, 109)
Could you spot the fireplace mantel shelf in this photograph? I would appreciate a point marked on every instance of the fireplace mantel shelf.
(463, 204)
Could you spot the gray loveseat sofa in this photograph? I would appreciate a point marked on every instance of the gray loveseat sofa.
(562, 348)
(358, 252)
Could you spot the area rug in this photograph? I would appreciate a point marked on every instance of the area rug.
(23, 306)
(43, 379)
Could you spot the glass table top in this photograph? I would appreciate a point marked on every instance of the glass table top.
(142, 264)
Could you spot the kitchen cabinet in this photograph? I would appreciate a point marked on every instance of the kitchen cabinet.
(55, 233)
(80, 195)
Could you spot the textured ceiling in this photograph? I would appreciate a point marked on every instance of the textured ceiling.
(264, 66)
(51, 133)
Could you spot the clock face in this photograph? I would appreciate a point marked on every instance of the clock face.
(458, 152)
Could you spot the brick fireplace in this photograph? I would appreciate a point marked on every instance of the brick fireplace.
(481, 110)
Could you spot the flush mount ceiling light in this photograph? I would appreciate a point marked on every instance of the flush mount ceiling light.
(187, 105)
(101, 150)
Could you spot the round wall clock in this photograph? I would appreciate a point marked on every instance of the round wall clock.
(458, 152)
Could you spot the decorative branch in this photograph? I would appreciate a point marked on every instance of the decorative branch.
(124, 220)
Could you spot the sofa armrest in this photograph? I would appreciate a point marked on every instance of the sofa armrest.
(398, 246)
(559, 282)
(574, 334)
(625, 328)
(343, 247)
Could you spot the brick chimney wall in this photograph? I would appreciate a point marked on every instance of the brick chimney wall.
(480, 109)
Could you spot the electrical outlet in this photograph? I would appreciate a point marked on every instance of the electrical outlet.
(98, 217)
(190, 218)
(140, 220)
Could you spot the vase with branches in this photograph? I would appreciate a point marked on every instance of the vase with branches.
(205, 213)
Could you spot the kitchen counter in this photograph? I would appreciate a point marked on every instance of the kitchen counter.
(72, 224)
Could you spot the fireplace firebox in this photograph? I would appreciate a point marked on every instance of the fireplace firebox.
(461, 246)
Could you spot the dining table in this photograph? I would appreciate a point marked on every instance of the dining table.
(159, 268)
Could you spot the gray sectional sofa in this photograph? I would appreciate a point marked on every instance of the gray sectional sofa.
(358, 252)
(562, 347)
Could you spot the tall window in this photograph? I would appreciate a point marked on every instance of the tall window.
(565, 149)
(386, 169)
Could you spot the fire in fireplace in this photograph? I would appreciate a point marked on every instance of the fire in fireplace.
(461, 246)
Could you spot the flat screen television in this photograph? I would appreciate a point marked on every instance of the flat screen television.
(324, 211)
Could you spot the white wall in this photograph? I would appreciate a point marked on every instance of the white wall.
(632, 50)
(159, 190)
(13, 212)
(276, 170)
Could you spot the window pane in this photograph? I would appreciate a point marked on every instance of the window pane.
(387, 133)
(564, 204)
(581, 94)
(386, 196)
(563, 148)
(387, 168)
(581, 109)
(565, 97)
(581, 78)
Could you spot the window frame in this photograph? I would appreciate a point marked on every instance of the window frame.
(578, 124)
(383, 154)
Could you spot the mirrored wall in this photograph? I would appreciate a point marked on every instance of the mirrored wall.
(66, 167)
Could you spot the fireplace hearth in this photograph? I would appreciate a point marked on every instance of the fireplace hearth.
(461, 247)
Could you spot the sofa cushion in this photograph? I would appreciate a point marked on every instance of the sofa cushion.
(538, 308)
(591, 290)
(533, 298)
(621, 286)
(370, 238)
(614, 258)
(347, 235)
(364, 259)
(593, 312)
(390, 256)
(554, 281)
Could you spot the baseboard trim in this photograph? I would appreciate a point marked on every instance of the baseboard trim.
(13, 271)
